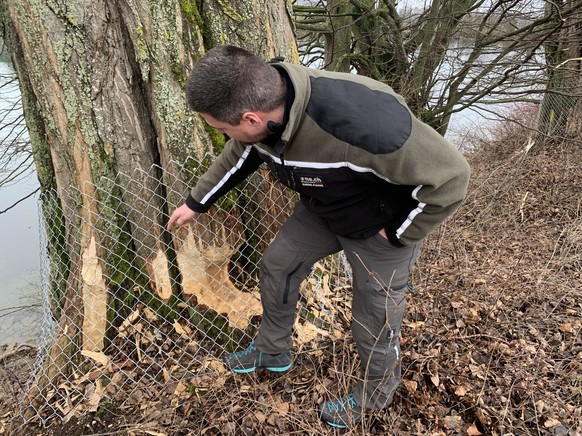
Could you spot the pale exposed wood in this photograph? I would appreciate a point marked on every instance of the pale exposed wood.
(95, 296)
(158, 270)
(203, 257)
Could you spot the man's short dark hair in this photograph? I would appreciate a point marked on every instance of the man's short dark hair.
(228, 81)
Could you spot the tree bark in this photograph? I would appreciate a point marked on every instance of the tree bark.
(338, 39)
(103, 95)
(561, 108)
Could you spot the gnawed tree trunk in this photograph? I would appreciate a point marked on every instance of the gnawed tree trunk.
(102, 85)
(203, 256)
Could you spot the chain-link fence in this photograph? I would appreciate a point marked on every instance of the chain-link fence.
(139, 311)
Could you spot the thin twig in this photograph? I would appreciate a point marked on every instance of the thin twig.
(19, 201)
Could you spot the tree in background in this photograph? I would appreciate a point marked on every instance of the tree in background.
(561, 106)
(102, 88)
(443, 57)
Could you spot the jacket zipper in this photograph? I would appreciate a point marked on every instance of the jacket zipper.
(288, 282)
(288, 172)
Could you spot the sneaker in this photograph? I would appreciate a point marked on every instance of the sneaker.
(250, 359)
(342, 413)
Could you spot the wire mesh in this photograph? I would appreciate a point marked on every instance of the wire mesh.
(130, 310)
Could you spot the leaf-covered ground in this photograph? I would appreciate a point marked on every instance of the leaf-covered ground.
(492, 339)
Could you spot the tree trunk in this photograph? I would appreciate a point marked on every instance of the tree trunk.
(103, 95)
(561, 108)
(338, 39)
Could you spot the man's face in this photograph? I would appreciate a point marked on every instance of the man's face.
(248, 130)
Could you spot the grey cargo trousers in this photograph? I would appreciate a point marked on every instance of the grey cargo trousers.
(380, 275)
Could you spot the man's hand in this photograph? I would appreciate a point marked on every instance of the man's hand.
(182, 216)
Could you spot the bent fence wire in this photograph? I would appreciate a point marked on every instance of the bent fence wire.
(153, 342)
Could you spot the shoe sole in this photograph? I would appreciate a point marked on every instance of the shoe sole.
(333, 424)
(269, 368)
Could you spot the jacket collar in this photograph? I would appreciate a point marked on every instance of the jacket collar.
(298, 91)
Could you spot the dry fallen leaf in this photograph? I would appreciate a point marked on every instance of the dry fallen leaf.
(434, 373)
(434, 378)
(97, 356)
(453, 422)
(282, 408)
(180, 330)
(260, 417)
(566, 328)
(139, 431)
(473, 431)
(214, 364)
(307, 332)
(461, 391)
(551, 422)
(94, 393)
(415, 324)
(410, 385)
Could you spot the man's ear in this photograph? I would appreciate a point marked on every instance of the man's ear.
(252, 118)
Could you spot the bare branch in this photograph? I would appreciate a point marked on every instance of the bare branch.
(19, 201)
(451, 55)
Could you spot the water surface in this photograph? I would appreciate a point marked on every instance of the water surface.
(19, 242)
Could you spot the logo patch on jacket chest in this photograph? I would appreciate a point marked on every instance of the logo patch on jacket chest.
(311, 182)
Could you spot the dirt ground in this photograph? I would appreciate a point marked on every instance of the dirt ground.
(16, 364)
(491, 342)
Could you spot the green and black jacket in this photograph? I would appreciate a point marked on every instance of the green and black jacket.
(357, 156)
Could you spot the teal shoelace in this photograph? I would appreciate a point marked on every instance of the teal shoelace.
(338, 406)
(249, 350)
